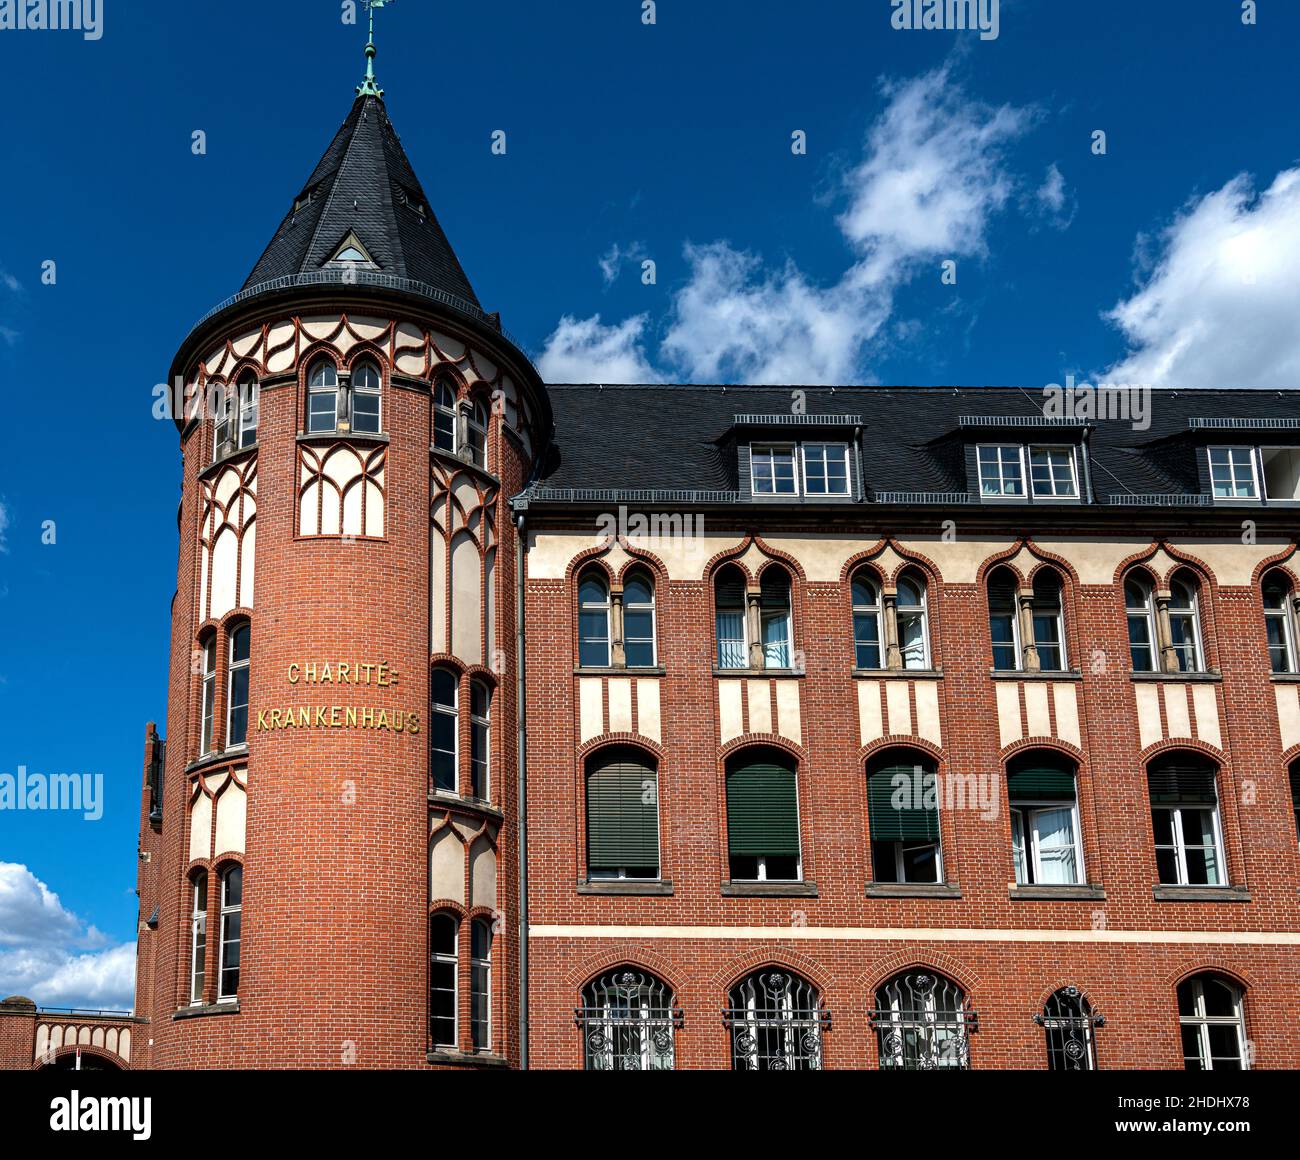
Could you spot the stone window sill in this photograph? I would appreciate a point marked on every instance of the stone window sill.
(1164, 893)
(1082, 892)
(450, 1058)
(625, 886)
(214, 468)
(478, 805)
(203, 1010)
(898, 674)
(1210, 675)
(778, 673)
(769, 890)
(615, 671)
(913, 890)
(1285, 678)
(337, 436)
(1041, 675)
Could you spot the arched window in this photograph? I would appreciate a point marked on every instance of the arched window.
(913, 630)
(1049, 621)
(923, 1024)
(198, 937)
(729, 619)
(1069, 1021)
(763, 817)
(237, 686)
(480, 985)
(322, 397)
(776, 1021)
(1280, 622)
(223, 422)
(479, 725)
(248, 408)
(639, 620)
(444, 416)
(443, 730)
(903, 815)
(232, 899)
(622, 815)
(1044, 820)
(365, 395)
(774, 617)
(1185, 820)
(628, 1022)
(1185, 624)
(593, 620)
(476, 424)
(1004, 620)
(1212, 1023)
(209, 694)
(1142, 640)
(444, 939)
(866, 621)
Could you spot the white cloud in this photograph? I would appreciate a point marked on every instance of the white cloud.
(4, 526)
(10, 281)
(48, 954)
(1053, 200)
(931, 177)
(611, 262)
(1218, 306)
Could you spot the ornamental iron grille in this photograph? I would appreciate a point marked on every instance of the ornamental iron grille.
(1069, 1020)
(923, 1023)
(628, 1022)
(776, 1020)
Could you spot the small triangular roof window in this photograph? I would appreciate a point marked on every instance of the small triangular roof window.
(352, 253)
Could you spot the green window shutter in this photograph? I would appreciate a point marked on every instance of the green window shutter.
(1038, 780)
(762, 810)
(918, 818)
(1183, 779)
(622, 826)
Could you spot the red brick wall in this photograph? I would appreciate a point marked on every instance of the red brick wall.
(17, 1035)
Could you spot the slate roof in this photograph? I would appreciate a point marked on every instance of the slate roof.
(365, 184)
(684, 438)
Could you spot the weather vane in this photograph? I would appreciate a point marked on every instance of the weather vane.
(368, 88)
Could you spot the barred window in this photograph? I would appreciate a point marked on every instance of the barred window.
(923, 1023)
(1212, 1023)
(628, 1022)
(776, 1020)
(1068, 1021)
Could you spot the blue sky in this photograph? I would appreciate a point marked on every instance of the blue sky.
(1169, 260)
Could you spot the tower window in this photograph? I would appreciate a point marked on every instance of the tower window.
(232, 899)
(237, 683)
(444, 417)
(443, 730)
(209, 694)
(323, 398)
(365, 394)
(248, 408)
(479, 722)
(480, 990)
(444, 938)
(476, 423)
(198, 937)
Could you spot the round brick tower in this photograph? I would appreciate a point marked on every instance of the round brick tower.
(329, 843)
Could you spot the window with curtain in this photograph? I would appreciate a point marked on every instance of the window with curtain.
(232, 900)
(593, 621)
(1004, 621)
(223, 421)
(1279, 622)
(776, 1020)
(480, 711)
(866, 621)
(198, 937)
(444, 417)
(444, 719)
(913, 630)
(774, 618)
(1142, 643)
(628, 1022)
(622, 815)
(480, 992)
(922, 1023)
(1044, 805)
(1185, 624)
(209, 693)
(639, 620)
(248, 392)
(444, 939)
(1185, 820)
(1212, 1023)
(729, 619)
(237, 685)
(365, 397)
(903, 816)
(322, 397)
(476, 427)
(1049, 621)
(762, 818)
(1069, 1022)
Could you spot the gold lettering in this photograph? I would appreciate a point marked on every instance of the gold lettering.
(351, 717)
(304, 717)
(320, 716)
(335, 721)
(344, 669)
(369, 670)
(311, 673)
(367, 718)
(326, 677)
(261, 720)
(383, 719)
(275, 718)
(413, 723)
(293, 674)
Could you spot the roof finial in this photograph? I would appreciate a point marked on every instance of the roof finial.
(368, 87)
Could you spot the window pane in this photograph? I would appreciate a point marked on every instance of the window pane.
(731, 640)
(322, 415)
(365, 413)
(866, 640)
(1057, 861)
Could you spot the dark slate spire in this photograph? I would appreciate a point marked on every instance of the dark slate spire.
(364, 191)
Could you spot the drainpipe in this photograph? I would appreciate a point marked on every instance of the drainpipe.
(521, 834)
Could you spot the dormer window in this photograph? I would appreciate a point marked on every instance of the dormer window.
(1232, 473)
(825, 469)
(1255, 473)
(772, 469)
(793, 469)
(1052, 471)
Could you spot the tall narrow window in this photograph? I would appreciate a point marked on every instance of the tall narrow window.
(479, 724)
(1212, 1024)
(248, 408)
(443, 730)
(477, 428)
(237, 684)
(729, 619)
(762, 818)
(199, 937)
(444, 937)
(593, 621)
(622, 816)
(1185, 625)
(1280, 623)
(639, 621)
(1185, 820)
(866, 621)
(1044, 820)
(209, 693)
(913, 629)
(774, 617)
(628, 1022)
(232, 899)
(323, 397)
(1294, 778)
(776, 1020)
(1068, 1020)
(1004, 621)
(1049, 622)
(903, 813)
(1142, 647)
(922, 1023)
(444, 417)
(223, 422)
(480, 989)
(366, 383)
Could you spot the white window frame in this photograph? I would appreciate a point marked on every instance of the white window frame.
(1148, 613)
(484, 722)
(1194, 612)
(198, 930)
(314, 389)
(787, 642)
(924, 607)
(1062, 645)
(900, 866)
(1002, 493)
(1180, 846)
(477, 421)
(208, 704)
(1287, 616)
(452, 960)
(1016, 642)
(223, 422)
(375, 392)
(486, 965)
(1072, 452)
(247, 400)
(651, 607)
(233, 666)
(589, 606)
(825, 449)
(795, 473)
(1027, 809)
(1203, 1022)
(452, 711)
(744, 632)
(876, 612)
(1255, 492)
(450, 410)
(227, 911)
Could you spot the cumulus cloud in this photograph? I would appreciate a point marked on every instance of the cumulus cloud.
(932, 175)
(612, 261)
(49, 954)
(1217, 306)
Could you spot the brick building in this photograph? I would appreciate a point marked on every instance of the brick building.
(514, 724)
